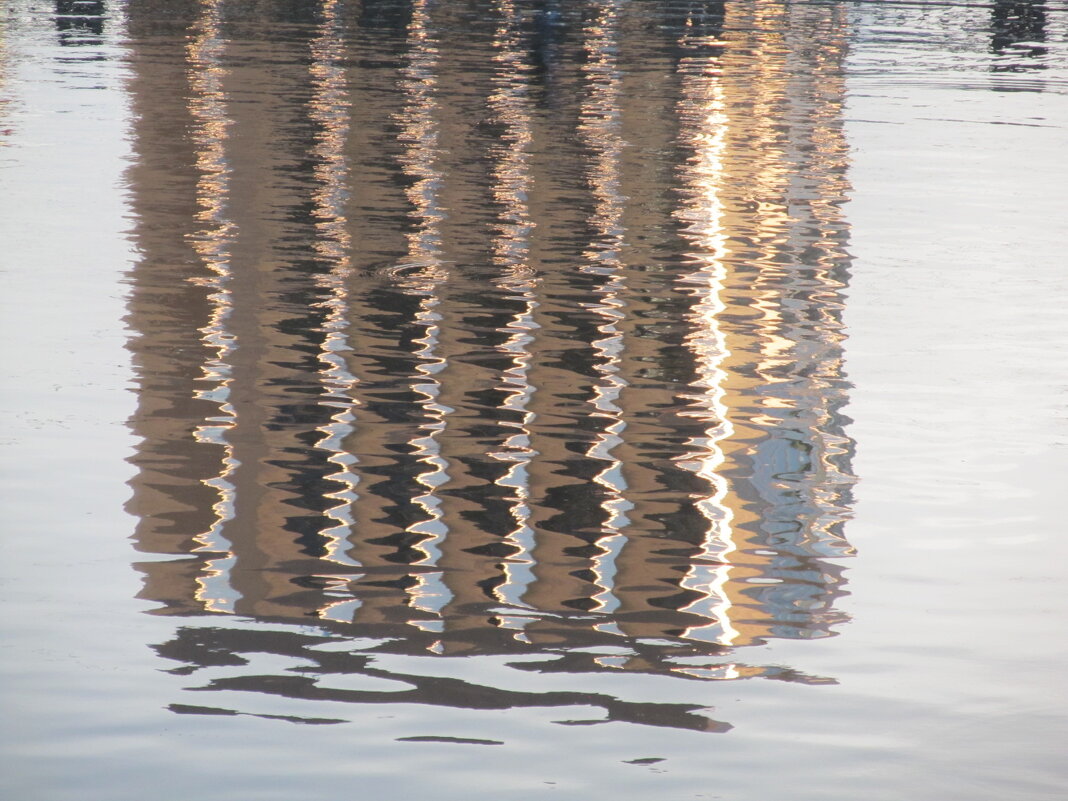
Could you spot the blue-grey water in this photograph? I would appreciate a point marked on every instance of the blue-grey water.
(522, 399)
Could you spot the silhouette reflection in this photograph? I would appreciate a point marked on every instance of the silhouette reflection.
(79, 22)
(488, 329)
(1018, 26)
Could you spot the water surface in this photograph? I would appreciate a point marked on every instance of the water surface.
(401, 384)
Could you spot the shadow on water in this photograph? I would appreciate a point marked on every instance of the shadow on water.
(1018, 27)
(79, 22)
(487, 329)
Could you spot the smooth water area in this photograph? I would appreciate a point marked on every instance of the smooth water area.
(601, 399)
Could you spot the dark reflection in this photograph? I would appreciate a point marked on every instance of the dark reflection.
(1018, 27)
(213, 647)
(482, 330)
(79, 22)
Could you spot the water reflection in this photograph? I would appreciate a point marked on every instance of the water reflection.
(1018, 27)
(79, 22)
(518, 342)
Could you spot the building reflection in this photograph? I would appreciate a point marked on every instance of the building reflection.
(526, 341)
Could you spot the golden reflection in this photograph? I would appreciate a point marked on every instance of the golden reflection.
(329, 109)
(612, 429)
(510, 104)
(515, 450)
(766, 170)
(660, 532)
(419, 134)
(575, 502)
(207, 107)
(426, 594)
(703, 124)
(395, 515)
(422, 276)
(599, 127)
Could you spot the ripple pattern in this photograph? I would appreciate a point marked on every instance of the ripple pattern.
(456, 336)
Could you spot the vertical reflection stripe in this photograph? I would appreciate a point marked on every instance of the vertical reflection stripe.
(329, 109)
(509, 103)
(599, 127)
(207, 102)
(423, 275)
(703, 130)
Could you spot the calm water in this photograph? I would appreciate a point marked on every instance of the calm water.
(602, 399)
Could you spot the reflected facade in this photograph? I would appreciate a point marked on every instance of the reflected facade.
(525, 341)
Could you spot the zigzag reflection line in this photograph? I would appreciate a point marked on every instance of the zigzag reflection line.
(329, 109)
(419, 133)
(207, 107)
(600, 128)
(705, 122)
(510, 104)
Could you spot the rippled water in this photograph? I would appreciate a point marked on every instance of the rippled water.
(471, 380)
